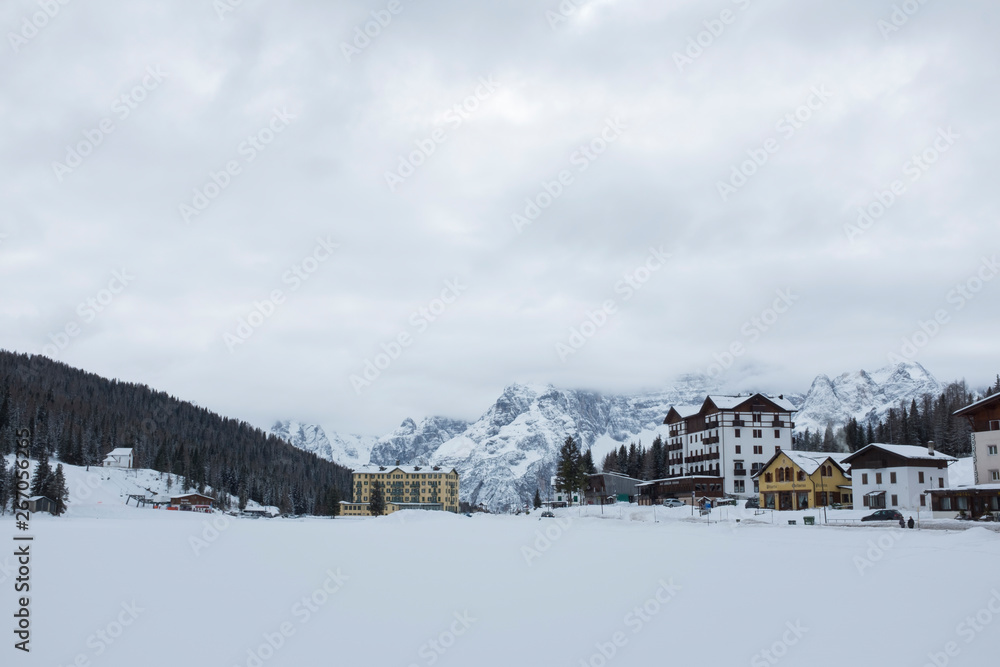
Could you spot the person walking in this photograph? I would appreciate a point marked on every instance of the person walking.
(909, 524)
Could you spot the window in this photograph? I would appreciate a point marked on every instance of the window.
(940, 482)
(768, 477)
(923, 501)
(777, 433)
(892, 478)
(737, 449)
(737, 432)
(991, 450)
(758, 433)
(946, 503)
(895, 500)
(739, 486)
(800, 476)
(864, 479)
(995, 475)
(878, 478)
(920, 476)
(758, 449)
(756, 417)
(781, 474)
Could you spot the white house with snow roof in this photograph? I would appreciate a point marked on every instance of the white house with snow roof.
(897, 476)
(728, 436)
(119, 458)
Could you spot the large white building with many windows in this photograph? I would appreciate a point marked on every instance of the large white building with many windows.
(730, 437)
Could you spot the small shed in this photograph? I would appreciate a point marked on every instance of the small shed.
(41, 504)
(119, 458)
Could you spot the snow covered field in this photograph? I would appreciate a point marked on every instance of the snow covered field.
(124, 586)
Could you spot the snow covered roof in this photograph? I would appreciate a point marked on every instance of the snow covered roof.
(687, 410)
(121, 451)
(34, 498)
(410, 470)
(978, 404)
(730, 402)
(811, 461)
(906, 451)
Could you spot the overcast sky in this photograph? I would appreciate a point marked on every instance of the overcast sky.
(697, 167)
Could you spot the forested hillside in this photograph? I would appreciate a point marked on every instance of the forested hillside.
(79, 417)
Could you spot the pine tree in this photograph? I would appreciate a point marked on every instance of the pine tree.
(537, 502)
(622, 465)
(40, 479)
(376, 501)
(4, 488)
(587, 461)
(57, 491)
(570, 475)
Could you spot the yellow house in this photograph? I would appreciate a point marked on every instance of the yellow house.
(794, 480)
(404, 487)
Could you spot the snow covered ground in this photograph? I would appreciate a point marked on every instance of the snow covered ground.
(123, 586)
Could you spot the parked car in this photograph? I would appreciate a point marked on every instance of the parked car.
(548, 515)
(753, 504)
(673, 502)
(883, 515)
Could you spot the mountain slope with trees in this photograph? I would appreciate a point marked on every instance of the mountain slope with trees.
(78, 417)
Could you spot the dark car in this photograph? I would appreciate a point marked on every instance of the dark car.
(548, 515)
(753, 504)
(884, 515)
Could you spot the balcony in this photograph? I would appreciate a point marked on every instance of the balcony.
(739, 422)
(740, 472)
(713, 440)
(712, 424)
(674, 432)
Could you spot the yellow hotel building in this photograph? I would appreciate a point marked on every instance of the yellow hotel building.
(404, 487)
(795, 480)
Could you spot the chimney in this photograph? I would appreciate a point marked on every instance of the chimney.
(930, 447)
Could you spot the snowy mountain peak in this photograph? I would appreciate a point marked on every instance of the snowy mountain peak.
(863, 395)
